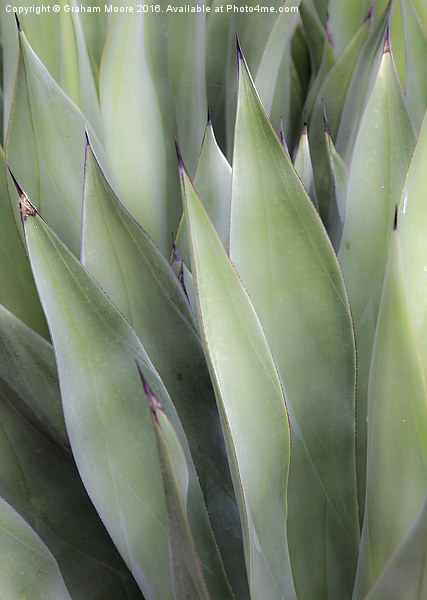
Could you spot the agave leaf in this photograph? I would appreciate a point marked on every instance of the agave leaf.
(101, 393)
(133, 129)
(316, 34)
(39, 478)
(412, 228)
(397, 430)
(141, 283)
(359, 90)
(346, 19)
(405, 574)
(187, 575)
(17, 292)
(103, 406)
(380, 161)
(303, 308)
(256, 433)
(28, 566)
(415, 40)
(339, 176)
(275, 56)
(303, 166)
(332, 94)
(253, 29)
(58, 41)
(213, 184)
(186, 62)
(27, 363)
(45, 145)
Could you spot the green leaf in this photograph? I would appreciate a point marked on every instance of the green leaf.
(346, 18)
(141, 283)
(415, 40)
(379, 164)
(186, 70)
(332, 94)
(17, 292)
(27, 363)
(405, 574)
(45, 146)
(103, 405)
(223, 24)
(250, 402)
(360, 88)
(187, 576)
(339, 176)
(283, 255)
(213, 184)
(397, 429)
(412, 228)
(133, 129)
(303, 166)
(39, 478)
(273, 73)
(315, 33)
(28, 568)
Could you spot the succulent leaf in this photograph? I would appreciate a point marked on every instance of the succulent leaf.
(281, 251)
(28, 566)
(250, 402)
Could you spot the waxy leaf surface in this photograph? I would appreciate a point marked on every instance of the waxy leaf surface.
(383, 149)
(396, 479)
(283, 255)
(250, 402)
(140, 282)
(28, 568)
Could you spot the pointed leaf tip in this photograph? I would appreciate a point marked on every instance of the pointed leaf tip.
(395, 218)
(18, 23)
(152, 400)
(386, 47)
(239, 49)
(179, 156)
(370, 14)
(325, 120)
(26, 207)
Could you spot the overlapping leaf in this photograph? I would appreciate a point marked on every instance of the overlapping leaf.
(397, 430)
(45, 146)
(141, 283)
(412, 229)
(380, 160)
(17, 291)
(250, 402)
(28, 568)
(133, 128)
(286, 263)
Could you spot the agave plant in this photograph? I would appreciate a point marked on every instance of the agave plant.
(213, 341)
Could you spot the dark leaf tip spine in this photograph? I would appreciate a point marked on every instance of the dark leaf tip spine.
(386, 48)
(152, 400)
(26, 207)
(325, 120)
(179, 155)
(18, 23)
(395, 219)
(239, 48)
(209, 122)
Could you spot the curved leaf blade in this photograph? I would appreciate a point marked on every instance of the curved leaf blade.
(397, 429)
(412, 227)
(284, 257)
(140, 282)
(383, 149)
(256, 432)
(187, 575)
(133, 129)
(28, 566)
